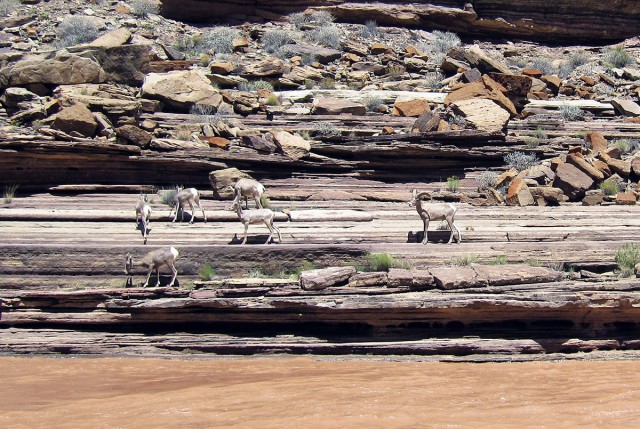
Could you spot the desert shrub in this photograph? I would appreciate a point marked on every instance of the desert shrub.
(627, 257)
(284, 52)
(487, 179)
(168, 196)
(144, 8)
(520, 160)
(531, 142)
(539, 133)
(453, 183)
(275, 39)
(445, 41)
(457, 120)
(315, 18)
(617, 57)
(625, 146)
(254, 85)
(304, 266)
(297, 19)
(218, 40)
(381, 262)
(570, 113)
(395, 70)
(434, 80)
(8, 6)
(544, 65)
(272, 100)
(327, 35)
(325, 129)
(308, 58)
(204, 114)
(204, 59)
(609, 187)
(465, 260)
(75, 30)
(372, 102)
(498, 260)
(207, 272)
(327, 83)
(9, 193)
(369, 29)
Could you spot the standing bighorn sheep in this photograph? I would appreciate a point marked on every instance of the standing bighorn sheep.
(247, 188)
(429, 211)
(143, 216)
(254, 216)
(154, 260)
(184, 196)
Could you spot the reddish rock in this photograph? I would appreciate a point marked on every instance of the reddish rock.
(427, 121)
(387, 130)
(573, 182)
(597, 141)
(223, 68)
(626, 198)
(130, 134)
(553, 82)
(76, 118)
(588, 80)
(586, 167)
(505, 178)
(547, 196)
(379, 48)
(219, 142)
(532, 72)
(485, 88)
(603, 167)
(518, 193)
(410, 108)
(368, 279)
(593, 198)
(325, 277)
(623, 168)
(336, 106)
(448, 278)
(635, 165)
(291, 145)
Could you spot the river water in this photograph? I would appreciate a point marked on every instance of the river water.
(310, 393)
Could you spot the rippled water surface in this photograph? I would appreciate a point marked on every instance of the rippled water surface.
(307, 393)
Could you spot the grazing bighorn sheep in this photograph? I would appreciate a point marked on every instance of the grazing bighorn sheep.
(154, 260)
(143, 216)
(429, 211)
(254, 216)
(184, 196)
(247, 188)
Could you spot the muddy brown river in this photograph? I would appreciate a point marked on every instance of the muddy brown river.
(308, 393)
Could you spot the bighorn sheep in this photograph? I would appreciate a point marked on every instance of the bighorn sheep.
(143, 216)
(154, 260)
(184, 196)
(247, 188)
(254, 216)
(429, 211)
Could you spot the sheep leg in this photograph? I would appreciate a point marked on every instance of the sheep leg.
(148, 277)
(458, 231)
(193, 212)
(270, 231)
(450, 223)
(158, 276)
(175, 274)
(246, 202)
(258, 202)
(426, 227)
(246, 227)
(177, 208)
(278, 231)
(197, 199)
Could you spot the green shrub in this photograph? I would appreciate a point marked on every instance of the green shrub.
(372, 102)
(207, 272)
(168, 196)
(325, 129)
(539, 133)
(381, 262)
(272, 100)
(265, 201)
(617, 57)
(453, 183)
(498, 260)
(9, 193)
(532, 142)
(254, 85)
(275, 39)
(625, 146)
(466, 260)
(627, 257)
(9, 6)
(487, 179)
(609, 187)
(75, 30)
(520, 160)
(328, 83)
(144, 8)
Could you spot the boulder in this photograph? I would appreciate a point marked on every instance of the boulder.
(485, 88)
(635, 165)
(553, 82)
(397, 277)
(627, 198)
(626, 107)
(181, 89)
(62, 69)
(518, 193)
(222, 67)
(516, 85)
(380, 48)
(586, 167)
(547, 196)
(127, 64)
(478, 58)
(514, 274)
(113, 38)
(593, 197)
(482, 113)
(472, 75)
(17, 98)
(291, 145)
(410, 108)
(573, 181)
(216, 142)
(368, 279)
(323, 278)
(76, 118)
(221, 180)
(268, 68)
(130, 134)
(597, 141)
(623, 168)
(448, 278)
(322, 55)
(336, 106)
(258, 143)
(427, 121)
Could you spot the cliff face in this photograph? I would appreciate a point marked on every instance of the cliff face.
(590, 20)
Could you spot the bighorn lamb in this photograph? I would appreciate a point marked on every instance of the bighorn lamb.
(154, 260)
(429, 211)
(247, 188)
(254, 216)
(184, 196)
(143, 216)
